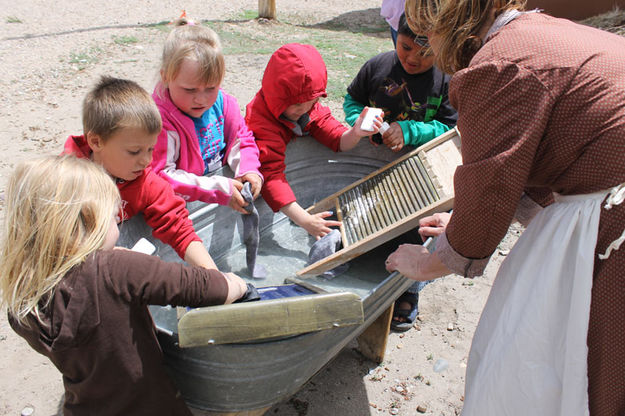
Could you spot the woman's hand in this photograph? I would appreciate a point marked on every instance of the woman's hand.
(416, 262)
(434, 225)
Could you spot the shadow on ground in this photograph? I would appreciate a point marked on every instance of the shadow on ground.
(368, 22)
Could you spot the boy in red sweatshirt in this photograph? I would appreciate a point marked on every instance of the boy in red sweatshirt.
(287, 106)
(121, 125)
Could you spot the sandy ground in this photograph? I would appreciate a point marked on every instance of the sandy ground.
(41, 89)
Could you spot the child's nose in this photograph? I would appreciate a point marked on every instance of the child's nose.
(145, 160)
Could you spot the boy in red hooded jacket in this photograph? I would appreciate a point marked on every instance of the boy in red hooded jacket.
(287, 106)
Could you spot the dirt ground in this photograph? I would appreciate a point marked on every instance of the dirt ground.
(51, 53)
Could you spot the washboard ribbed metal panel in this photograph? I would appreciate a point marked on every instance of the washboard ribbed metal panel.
(385, 199)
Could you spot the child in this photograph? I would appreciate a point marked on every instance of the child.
(391, 10)
(121, 123)
(411, 91)
(285, 107)
(84, 305)
(202, 124)
(413, 94)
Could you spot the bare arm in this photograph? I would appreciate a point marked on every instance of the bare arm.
(315, 224)
(196, 255)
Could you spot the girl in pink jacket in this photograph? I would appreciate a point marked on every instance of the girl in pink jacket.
(202, 125)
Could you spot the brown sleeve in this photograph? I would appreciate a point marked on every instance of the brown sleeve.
(147, 279)
(503, 110)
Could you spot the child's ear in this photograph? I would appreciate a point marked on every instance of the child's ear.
(163, 78)
(95, 141)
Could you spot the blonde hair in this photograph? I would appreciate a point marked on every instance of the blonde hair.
(197, 43)
(58, 210)
(115, 104)
(457, 24)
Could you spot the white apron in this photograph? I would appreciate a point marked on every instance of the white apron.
(529, 352)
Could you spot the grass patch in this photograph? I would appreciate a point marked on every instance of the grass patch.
(13, 19)
(247, 15)
(344, 52)
(125, 40)
(85, 58)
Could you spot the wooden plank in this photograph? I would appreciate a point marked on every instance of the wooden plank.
(374, 240)
(372, 342)
(268, 319)
(339, 216)
(267, 9)
(328, 203)
(255, 412)
(440, 157)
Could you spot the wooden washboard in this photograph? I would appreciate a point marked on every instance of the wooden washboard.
(391, 200)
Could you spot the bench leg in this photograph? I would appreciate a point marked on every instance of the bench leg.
(372, 342)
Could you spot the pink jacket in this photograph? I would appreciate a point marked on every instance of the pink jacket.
(241, 151)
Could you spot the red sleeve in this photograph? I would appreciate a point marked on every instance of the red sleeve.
(325, 128)
(167, 214)
(276, 190)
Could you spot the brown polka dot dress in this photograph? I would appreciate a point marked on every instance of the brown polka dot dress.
(542, 108)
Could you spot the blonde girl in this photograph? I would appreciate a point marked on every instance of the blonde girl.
(84, 305)
(541, 112)
(202, 125)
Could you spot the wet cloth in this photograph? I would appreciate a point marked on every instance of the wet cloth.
(540, 362)
(251, 235)
(325, 246)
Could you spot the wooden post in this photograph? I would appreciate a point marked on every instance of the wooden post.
(267, 9)
(372, 342)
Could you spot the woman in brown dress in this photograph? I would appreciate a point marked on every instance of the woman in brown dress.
(541, 113)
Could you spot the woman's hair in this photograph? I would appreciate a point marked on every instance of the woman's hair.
(457, 24)
(195, 42)
(58, 210)
(115, 104)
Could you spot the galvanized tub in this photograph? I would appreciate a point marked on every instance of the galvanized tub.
(256, 375)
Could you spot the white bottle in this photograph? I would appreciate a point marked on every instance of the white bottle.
(367, 122)
(383, 128)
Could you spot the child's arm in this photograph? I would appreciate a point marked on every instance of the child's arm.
(167, 215)
(316, 225)
(352, 136)
(196, 255)
(195, 186)
(150, 280)
(352, 109)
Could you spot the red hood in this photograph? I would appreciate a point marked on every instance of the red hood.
(295, 74)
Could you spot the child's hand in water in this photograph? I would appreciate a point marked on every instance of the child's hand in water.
(237, 202)
(255, 181)
(318, 226)
(394, 137)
